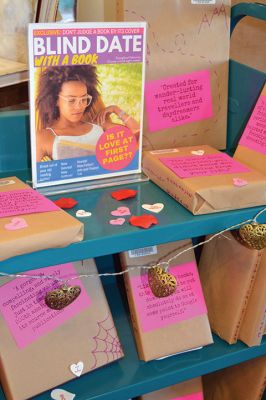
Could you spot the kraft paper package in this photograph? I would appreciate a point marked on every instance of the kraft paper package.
(245, 381)
(254, 322)
(187, 66)
(228, 271)
(188, 390)
(41, 348)
(205, 180)
(173, 324)
(251, 149)
(187, 70)
(30, 222)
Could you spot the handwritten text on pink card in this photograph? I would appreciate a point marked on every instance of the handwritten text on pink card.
(192, 396)
(206, 165)
(23, 307)
(24, 201)
(254, 135)
(178, 100)
(186, 303)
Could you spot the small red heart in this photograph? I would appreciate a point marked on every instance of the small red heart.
(123, 194)
(143, 221)
(66, 202)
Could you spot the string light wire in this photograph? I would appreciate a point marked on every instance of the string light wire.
(163, 264)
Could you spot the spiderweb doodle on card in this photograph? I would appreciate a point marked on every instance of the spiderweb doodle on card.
(107, 346)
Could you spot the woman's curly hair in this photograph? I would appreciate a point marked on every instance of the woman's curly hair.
(50, 83)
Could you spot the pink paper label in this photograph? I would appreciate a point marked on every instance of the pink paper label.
(206, 165)
(193, 396)
(24, 201)
(254, 135)
(187, 302)
(23, 307)
(178, 100)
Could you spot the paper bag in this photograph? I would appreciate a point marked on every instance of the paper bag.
(177, 323)
(227, 271)
(253, 324)
(41, 348)
(245, 381)
(188, 390)
(251, 149)
(30, 222)
(205, 180)
(187, 70)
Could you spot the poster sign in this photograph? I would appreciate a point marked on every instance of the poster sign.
(86, 100)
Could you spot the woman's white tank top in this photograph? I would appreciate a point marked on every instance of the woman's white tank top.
(76, 146)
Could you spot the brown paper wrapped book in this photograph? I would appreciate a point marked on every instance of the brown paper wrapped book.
(188, 390)
(30, 222)
(245, 381)
(205, 180)
(168, 325)
(251, 149)
(42, 348)
(183, 39)
(253, 324)
(228, 271)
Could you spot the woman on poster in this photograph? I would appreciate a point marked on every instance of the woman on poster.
(69, 124)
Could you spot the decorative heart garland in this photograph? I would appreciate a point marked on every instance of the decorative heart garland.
(253, 235)
(162, 283)
(63, 296)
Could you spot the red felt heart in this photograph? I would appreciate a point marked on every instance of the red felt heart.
(143, 221)
(123, 194)
(66, 202)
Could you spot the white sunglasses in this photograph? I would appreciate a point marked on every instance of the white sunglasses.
(73, 101)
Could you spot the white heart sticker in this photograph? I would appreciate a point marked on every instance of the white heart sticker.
(77, 369)
(198, 152)
(7, 182)
(156, 208)
(61, 394)
(83, 214)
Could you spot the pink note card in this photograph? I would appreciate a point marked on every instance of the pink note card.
(24, 201)
(178, 100)
(187, 302)
(23, 307)
(206, 165)
(192, 396)
(254, 135)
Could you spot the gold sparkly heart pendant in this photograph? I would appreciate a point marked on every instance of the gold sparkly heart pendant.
(162, 283)
(253, 235)
(63, 296)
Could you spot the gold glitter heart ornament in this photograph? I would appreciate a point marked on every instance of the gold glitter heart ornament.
(63, 296)
(162, 283)
(253, 235)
